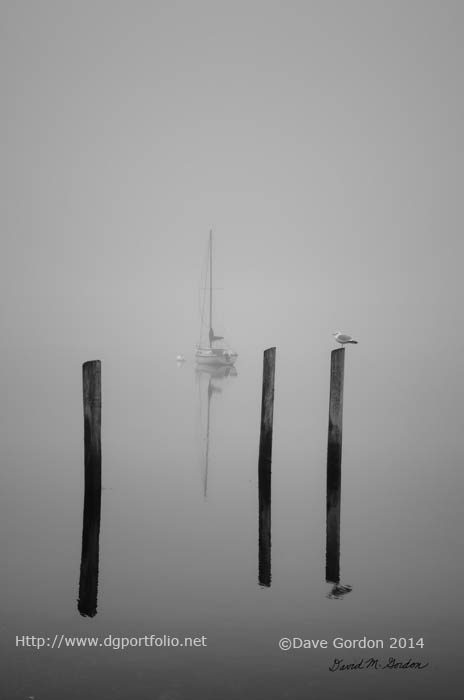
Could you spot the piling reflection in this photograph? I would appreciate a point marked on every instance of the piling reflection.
(88, 582)
(264, 537)
(210, 375)
(332, 565)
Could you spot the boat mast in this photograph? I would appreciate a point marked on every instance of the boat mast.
(210, 288)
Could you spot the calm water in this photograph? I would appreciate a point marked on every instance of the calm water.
(177, 561)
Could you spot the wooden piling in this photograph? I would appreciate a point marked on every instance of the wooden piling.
(334, 464)
(264, 467)
(88, 583)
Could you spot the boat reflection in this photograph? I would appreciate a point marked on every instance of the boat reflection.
(210, 375)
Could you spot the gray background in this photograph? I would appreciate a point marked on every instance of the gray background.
(323, 143)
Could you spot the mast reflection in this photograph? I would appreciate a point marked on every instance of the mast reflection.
(211, 375)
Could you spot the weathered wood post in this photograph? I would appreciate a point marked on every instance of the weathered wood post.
(88, 583)
(264, 467)
(334, 464)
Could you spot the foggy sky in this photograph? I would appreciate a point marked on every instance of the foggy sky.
(321, 141)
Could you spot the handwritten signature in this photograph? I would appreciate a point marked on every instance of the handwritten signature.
(377, 665)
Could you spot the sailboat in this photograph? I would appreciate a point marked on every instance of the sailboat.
(213, 353)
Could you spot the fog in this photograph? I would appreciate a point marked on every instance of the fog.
(321, 142)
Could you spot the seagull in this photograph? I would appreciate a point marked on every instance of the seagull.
(343, 339)
(180, 358)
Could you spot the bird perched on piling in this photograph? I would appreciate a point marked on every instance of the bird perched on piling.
(344, 339)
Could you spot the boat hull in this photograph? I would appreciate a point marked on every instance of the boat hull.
(215, 358)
